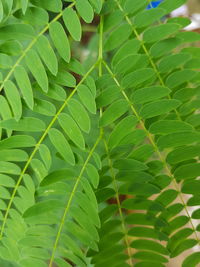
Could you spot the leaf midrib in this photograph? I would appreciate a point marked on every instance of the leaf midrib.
(118, 204)
(150, 137)
(30, 46)
(67, 207)
(54, 119)
(153, 64)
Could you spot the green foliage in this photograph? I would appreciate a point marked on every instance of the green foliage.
(99, 142)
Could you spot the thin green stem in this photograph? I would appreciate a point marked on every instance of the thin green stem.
(30, 46)
(100, 57)
(153, 64)
(68, 205)
(37, 147)
(112, 173)
(151, 139)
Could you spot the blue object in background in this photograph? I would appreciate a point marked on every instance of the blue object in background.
(154, 4)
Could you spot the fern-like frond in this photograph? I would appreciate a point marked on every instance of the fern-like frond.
(99, 148)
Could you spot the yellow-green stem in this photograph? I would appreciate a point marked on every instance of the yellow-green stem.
(112, 173)
(151, 139)
(153, 64)
(71, 198)
(37, 147)
(19, 60)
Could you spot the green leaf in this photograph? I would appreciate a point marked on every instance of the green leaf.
(57, 176)
(143, 232)
(66, 79)
(188, 37)
(4, 193)
(17, 141)
(112, 20)
(72, 23)
(194, 201)
(177, 223)
(36, 67)
(184, 245)
(45, 155)
(5, 111)
(129, 48)
(183, 153)
(179, 77)
(34, 16)
(60, 40)
(178, 139)
(6, 181)
(24, 84)
(191, 187)
(184, 94)
(134, 176)
(14, 99)
(53, 5)
(47, 54)
(56, 92)
(165, 46)
(154, 257)
(24, 4)
(127, 63)
(1, 11)
(169, 126)
(97, 4)
(139, 189)
(129, 164)
(123, 128)
(71, 129)
(13, 155)
(192, 260)
(134, 138)
(192, 64)
(76, 67)
(149, 94)
(18, 32)
(87, 98)
(93, 175)
(138, 4)
(149, 245)
(42, 207)
(170, 5)
(25, 124)
(183, 21)
(187, 171)
(159, 32)
(158, 107)
(114, 41)
(142, 153)
(62, 145)
(9, 168)
(44, 107)
(12, 48)
(85, 10)
(148, 17)
(178, 237)
(61, 262)
(137, 77)
(5, 61)
(108, 95)
(173, 61)
(196, 214)
(113, 112)
(79, 114)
